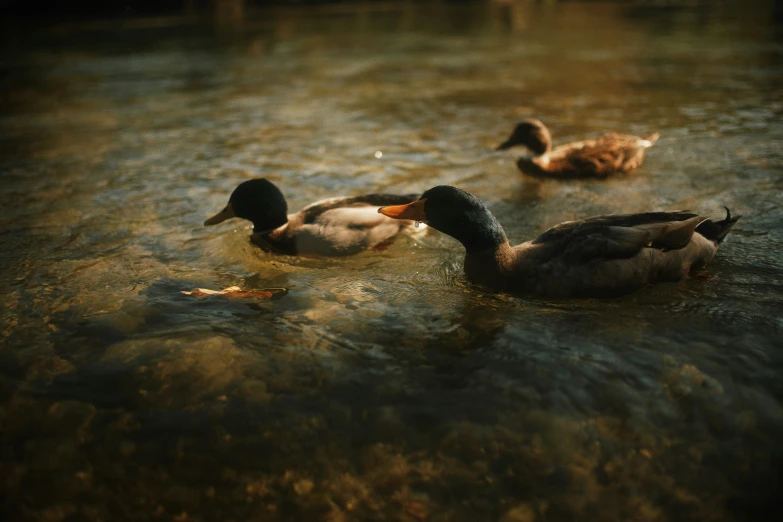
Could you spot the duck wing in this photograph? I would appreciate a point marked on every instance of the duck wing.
(346, 230)
(310, 213)
(601, 157)
(619, 236)
(344, 225)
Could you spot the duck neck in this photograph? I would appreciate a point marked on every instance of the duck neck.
(542, 145)
(485, 238)
(276, 240)
(490, 267)
(540, 141)
(265, 229)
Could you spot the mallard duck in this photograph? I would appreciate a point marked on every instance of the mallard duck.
(330, 227)
(599, 256)
(598, 158)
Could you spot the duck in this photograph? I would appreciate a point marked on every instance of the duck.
(599, 158)
(339, 226)
(602, 256)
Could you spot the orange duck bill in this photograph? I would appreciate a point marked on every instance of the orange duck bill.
(226, 213)
(413, 211)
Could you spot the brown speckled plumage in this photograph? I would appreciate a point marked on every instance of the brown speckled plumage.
(597, 158)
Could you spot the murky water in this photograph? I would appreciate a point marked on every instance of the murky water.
(384, 386)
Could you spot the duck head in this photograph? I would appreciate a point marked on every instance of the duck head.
(456, 213)
(532, 134)
(258, 201)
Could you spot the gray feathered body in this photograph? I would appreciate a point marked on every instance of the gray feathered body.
(603, 256)
(337, 226)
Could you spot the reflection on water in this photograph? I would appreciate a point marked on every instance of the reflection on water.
(384, 386)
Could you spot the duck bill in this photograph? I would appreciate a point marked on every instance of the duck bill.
(413, 211)
(505, 145)
(226, 213)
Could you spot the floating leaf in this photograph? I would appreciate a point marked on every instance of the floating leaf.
(233, 292)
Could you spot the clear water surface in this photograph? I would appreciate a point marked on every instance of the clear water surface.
(384, 386)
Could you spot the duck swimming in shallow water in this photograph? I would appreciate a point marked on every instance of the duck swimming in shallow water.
(330, 227)
(596, 257)
(598, 158)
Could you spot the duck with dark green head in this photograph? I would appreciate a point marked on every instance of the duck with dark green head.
(595, 257)
(598, 158)
(330, 227)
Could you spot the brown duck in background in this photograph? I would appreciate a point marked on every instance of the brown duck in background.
(598, 158)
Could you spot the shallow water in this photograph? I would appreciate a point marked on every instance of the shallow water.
(383, 386)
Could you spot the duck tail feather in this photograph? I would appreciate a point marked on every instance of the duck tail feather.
(717, 230)
(652, 138)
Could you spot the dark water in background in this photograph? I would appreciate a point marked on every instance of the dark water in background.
(382, 387)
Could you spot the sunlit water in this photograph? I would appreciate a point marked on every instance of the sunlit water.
(384, 386)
